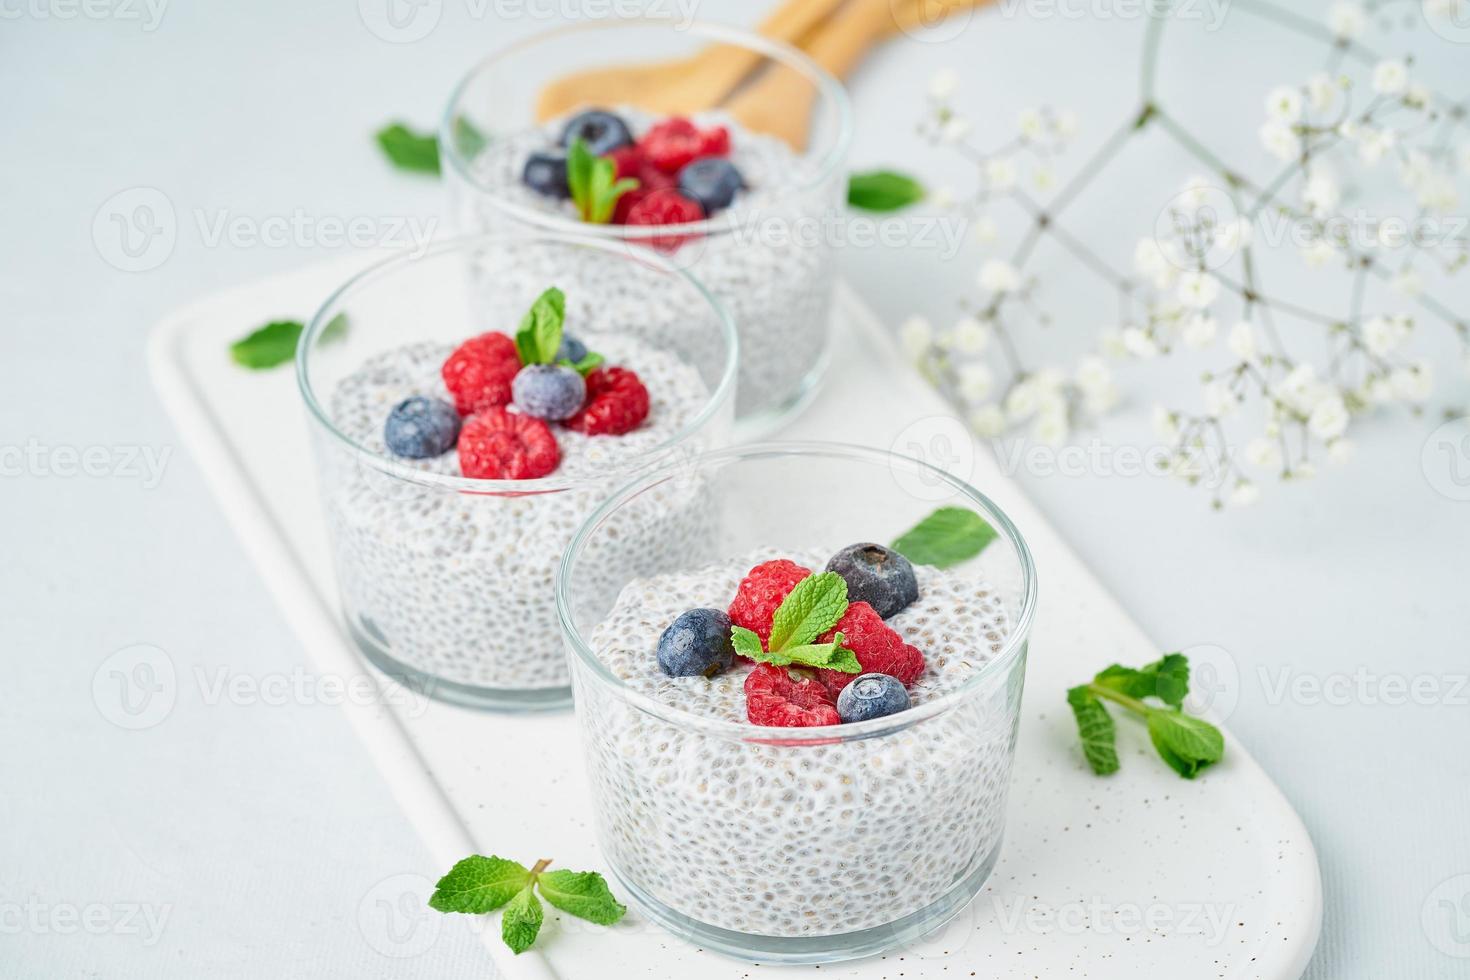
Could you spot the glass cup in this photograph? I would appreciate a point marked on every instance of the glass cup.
(769, 257)
(446, 581)
(796, 845)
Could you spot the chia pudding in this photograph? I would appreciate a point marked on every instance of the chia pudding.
(456, 461)
(748, 829)
(763, 253)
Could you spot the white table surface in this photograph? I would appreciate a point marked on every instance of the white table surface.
(243, 838)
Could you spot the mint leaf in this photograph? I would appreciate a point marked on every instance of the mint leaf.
(479, 884)
(335, 329)
(593, 183)
(268, 346)
(468, 139)
(746, 642)
(946, 537)
(832, 655)
(883, 190)
(521, 921)
(1186, 743)
(539, 335)
(1166, 679)
(809, 610)
(581, 893)
(1095, 726)
(586, 365)
(407, 150)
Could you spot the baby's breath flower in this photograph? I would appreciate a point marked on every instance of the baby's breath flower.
(1347, 20)
(1000, 173)
(1022, 401)
(1051, 427)
(1066, 124)
(1418, 96)
(974, 381)
(1264, 453)
(1242, 341)
(1284, 104)
(1138, 343)
(942, 84)
(1165, 425)
(1374, 143)
(1244, 494)
(942, 197)
(954, 130)
(1329, 418)
(1198, 289)
(1340, 451)
(1043, 178)
(1110, 341)
(1414, 383)
(1390, 77)
(1102, 399)
(1408, 282)
(1235, 234)
(1319, 253)
(999, 276)
(916, 336)
(1320, 193)
(969, 336)
(988, 420)
(1303, 471)
(986, 230)
(1321, 92)
(1150, 260)
(1031, 123)
(1280, 141)
(1382, 335)
(1200, 330)
(1093, 374)
(1219, 402)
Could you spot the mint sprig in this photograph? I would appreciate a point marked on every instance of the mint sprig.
(810, 609)
(479, 884)
(539, 336)
(594, 184)
(407, 150)
(275, 343)
(947, 537)
(1186, 743)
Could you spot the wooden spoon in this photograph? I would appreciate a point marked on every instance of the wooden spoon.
(684, 85)
(780, 101)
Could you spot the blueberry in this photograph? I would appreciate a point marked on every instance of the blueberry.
(711, 181)
(546, 173)
(872, 696)
(602, 131)
(547, 391)
(571, 349)
(697, 644)
(420, 427)
(879, 576)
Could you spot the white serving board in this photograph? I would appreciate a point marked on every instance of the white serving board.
(1140, 874)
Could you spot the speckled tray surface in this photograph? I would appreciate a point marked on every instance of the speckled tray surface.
(1138, 875)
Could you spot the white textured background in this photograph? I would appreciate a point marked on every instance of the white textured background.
(258, 830)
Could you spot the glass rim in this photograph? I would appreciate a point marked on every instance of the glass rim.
(1001, 663)
(718, 397)
(831, 89)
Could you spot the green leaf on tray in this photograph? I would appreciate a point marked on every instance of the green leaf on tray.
(1186, 743)
(482, 884)
(883, 190)
(1166, 679)
(947, 537)
(479, 884)
(407, 150)
(1095, 727)
(581, 893)
(521, 922)
(275, 343)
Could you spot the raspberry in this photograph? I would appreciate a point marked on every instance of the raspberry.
(617, 403)
(498, 445)
(879, 649)
(784, 698)
(479, 372)
(761, 592)
(626, 203)
(665, 207)
(673, 143)
(627, 161)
